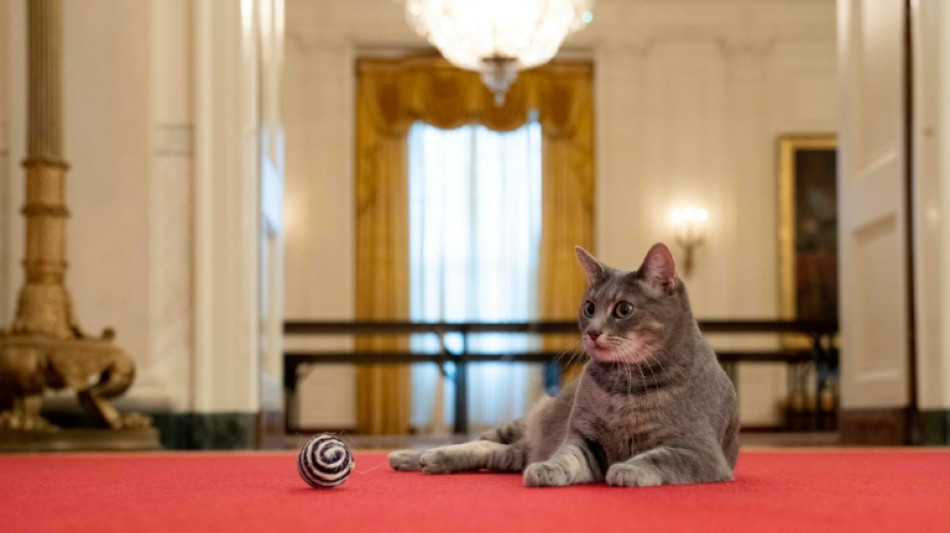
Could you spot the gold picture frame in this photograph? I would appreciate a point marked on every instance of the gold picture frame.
(807, 207)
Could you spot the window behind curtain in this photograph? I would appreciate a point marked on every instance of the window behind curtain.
(475, 226)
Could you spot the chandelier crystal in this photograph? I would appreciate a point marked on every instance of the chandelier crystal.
(497, 37)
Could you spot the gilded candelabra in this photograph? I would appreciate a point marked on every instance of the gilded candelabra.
(44, 348)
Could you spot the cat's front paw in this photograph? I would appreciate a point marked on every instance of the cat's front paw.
(438, 461)
(407, 460)
(627, 475)
(545, 475)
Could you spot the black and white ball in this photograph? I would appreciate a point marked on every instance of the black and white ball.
(325, 462)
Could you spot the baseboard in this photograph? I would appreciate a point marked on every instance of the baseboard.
(934, 427)
(207, 431)
(876, 427)
(762, 429)
(184, 431)
(307, 432)
(270, 430)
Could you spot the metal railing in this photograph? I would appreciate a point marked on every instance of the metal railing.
(821, 351)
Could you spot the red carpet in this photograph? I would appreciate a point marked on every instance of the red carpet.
(843, 490)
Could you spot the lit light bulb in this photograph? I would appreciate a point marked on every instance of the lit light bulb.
(689, 228)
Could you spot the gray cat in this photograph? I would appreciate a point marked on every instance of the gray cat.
(652, 405)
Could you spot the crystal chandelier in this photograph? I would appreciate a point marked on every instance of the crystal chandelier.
(497, 37)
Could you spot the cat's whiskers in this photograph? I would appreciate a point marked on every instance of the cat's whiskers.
(571, 354)
(626, 359)
(629, 362)
(644, 353)
(639, 348)
(617, 348)
(643, 377)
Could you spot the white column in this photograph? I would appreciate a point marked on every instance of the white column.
(165, 374)
(226, 363)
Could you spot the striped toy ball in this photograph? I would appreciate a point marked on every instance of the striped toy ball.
(325, 462)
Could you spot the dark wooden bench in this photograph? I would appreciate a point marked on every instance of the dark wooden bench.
(822, 352)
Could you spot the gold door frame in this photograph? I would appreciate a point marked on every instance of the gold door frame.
(788, 146)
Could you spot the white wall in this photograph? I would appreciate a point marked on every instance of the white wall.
(5, 185)
(12, 140)
(690, 98)
(932, 201)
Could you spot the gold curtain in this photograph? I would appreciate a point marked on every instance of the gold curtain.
(391, 96)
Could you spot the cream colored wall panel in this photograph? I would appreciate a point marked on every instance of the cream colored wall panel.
(684, 158)
(811, 99)
(319, 262)
(319, 217)
(171, 52)
(943, 137)
(878, 64)
(761, 389)
(327, 398)
(620, 130)
(932, 201)
(367, 23)
(872, 217)
(876, 351)
(297, 213)
(107, 142)
(6, 181)
(802, 81)
(15, 116)
(874, 189)
(749, 221)
(874, 243)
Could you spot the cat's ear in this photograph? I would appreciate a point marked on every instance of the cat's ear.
(592, 267)
(658, 267)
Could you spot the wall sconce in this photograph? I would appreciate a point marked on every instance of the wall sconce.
(689, 231)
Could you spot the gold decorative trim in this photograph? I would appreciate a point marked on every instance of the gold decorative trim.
(788, 145)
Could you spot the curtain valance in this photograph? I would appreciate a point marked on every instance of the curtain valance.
(431, 90)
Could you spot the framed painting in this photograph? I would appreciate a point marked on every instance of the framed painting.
(808, 226)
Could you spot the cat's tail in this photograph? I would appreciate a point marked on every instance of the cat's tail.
(506, 433)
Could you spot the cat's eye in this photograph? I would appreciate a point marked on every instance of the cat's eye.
(623, 309)
(589, 309)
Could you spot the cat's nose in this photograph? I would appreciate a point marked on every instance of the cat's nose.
(593, 334)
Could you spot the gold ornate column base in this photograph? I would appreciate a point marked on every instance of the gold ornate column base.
(29, 364)
(44, 307)
(45, 349)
